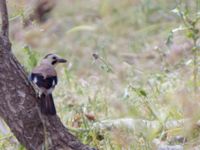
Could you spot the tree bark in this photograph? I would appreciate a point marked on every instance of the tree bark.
(19, 104)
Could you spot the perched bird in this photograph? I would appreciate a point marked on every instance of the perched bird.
(45, 79)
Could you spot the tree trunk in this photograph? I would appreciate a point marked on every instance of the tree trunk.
(18, 104)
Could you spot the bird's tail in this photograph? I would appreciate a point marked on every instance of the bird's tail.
(47, 106)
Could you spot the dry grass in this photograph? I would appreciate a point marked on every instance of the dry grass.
(136, 75)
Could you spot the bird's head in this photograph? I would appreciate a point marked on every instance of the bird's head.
(53, 59)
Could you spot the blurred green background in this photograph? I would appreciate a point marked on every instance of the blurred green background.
(142, 69)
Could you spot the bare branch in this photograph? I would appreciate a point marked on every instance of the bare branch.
(4, 34)
(4, 18)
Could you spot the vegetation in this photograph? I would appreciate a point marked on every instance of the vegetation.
(135, 60)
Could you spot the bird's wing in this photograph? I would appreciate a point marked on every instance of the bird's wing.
(44, 76)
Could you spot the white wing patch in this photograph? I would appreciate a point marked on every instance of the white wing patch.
(35, 80)
(53, 83)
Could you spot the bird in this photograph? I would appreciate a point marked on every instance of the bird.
(44, 78)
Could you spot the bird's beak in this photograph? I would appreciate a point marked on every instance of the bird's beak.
(61, 60)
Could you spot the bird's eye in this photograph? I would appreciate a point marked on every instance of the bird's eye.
(54, 57)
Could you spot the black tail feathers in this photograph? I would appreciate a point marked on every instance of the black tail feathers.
(47, 106)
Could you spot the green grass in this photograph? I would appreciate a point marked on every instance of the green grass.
(135, 76)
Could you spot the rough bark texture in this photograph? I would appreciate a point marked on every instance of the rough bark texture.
(18, 104)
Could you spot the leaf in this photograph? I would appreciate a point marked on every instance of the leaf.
(190, 34)
(139, 91)
(180, 28)
(81, 28)
(143, 93)
(176, 11)
(170, 39)
(188, 62)
(171, 34)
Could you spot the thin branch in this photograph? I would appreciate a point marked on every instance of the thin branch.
(4, 34)
(4, 18)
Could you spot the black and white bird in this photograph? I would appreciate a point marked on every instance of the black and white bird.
(45, 79)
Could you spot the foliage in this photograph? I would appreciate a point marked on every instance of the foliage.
(190, 22)
(31, 58)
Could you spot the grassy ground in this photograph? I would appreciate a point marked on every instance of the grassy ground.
(136, 75)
